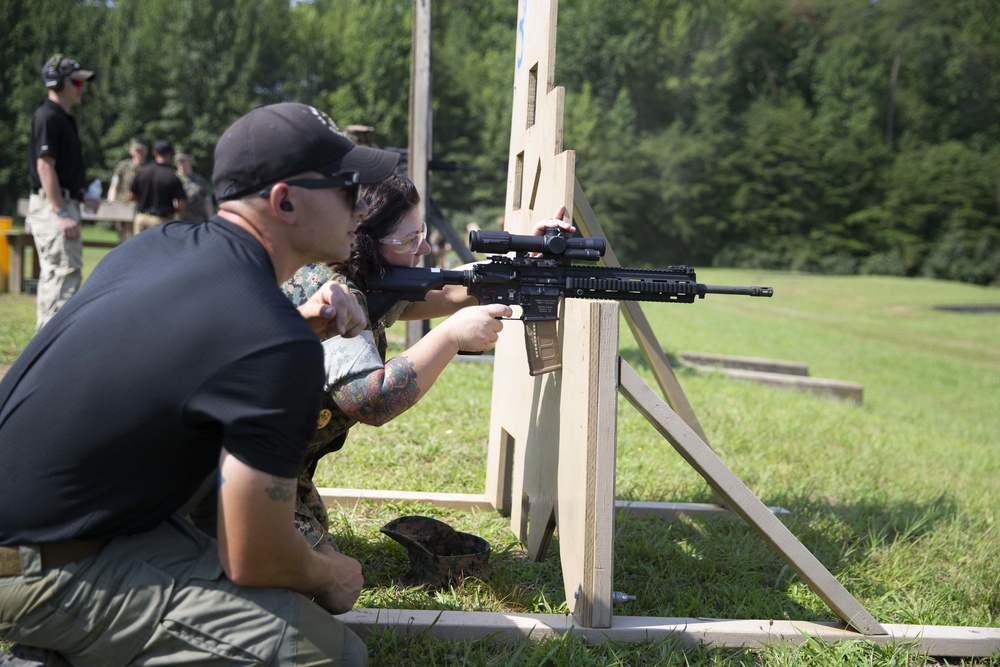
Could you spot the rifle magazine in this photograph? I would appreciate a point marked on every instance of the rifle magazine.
(542, 345)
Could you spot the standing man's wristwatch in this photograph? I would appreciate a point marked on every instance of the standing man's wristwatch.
(63, 213)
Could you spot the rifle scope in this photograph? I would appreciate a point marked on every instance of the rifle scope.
(552, 244)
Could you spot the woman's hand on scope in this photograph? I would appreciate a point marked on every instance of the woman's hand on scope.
(557, 220)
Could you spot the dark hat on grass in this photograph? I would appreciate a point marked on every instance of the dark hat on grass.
(274, 142)
(439, 554)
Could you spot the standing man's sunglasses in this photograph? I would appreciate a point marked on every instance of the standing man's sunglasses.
(349, 181)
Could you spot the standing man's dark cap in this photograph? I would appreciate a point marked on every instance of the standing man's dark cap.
(277, 141)
(163, 147)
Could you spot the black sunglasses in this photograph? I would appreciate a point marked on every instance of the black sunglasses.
(349, 181)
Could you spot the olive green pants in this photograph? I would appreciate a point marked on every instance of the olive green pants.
(162, 598)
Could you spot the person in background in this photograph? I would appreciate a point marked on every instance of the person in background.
(200, 202)
(196, 366)
(157, 190)
(361, 386)
(125, 171)
(58, 185)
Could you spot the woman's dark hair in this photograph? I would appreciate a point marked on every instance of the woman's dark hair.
(388, 201)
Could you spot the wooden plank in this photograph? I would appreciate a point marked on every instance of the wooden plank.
(840, 389)
(18, 242)
(586, 464)
(460, 501)
(643, 509)
(745, 363)
(939, 641)
(421, 127)
(737, 496)
(669, 511)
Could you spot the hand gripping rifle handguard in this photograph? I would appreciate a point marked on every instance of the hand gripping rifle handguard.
(537, 275)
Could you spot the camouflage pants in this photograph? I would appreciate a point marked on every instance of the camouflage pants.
(311, 518)
(60, 259)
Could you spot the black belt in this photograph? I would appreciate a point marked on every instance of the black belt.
(54, 554)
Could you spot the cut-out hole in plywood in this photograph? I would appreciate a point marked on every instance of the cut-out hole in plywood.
(532, 95)
(506, 470)
(534, 186)
(518, 180)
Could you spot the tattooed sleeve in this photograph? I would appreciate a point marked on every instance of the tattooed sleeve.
(380, 396)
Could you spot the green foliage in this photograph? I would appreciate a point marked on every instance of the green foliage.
(818, 135)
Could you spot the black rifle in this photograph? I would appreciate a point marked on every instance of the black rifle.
(536, 277)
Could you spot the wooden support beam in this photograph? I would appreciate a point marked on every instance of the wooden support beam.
(707, 463)
(669, 511)
(460, 501)
(939, 641)
(421, 127)
(478, 502)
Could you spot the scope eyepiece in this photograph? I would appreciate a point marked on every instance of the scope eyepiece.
(553, 243)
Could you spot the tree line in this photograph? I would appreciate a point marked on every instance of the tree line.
(837, 136)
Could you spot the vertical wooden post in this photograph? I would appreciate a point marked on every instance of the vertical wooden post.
(420, 123)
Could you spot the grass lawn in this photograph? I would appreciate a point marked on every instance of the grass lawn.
(897, 497)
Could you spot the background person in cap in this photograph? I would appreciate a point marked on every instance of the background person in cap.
(157, 191)
(125, 171)
(58, 183)
(197, 367)
(200, 202)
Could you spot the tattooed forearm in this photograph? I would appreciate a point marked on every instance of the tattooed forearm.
(281, 488)
(382, 395)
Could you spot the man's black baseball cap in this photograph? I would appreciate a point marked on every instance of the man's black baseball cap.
(277, 141)
(163, 147)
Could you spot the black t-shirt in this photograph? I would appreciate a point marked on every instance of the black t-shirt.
(155, 187)
(53, 132)
(179, 343)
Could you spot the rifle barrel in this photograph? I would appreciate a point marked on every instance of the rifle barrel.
(753, 290)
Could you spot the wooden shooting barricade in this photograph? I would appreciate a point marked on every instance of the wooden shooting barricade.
(552, 443)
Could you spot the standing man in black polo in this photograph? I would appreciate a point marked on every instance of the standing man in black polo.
(157, 190)
(58, 182)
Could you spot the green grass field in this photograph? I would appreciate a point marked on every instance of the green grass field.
(897, 497)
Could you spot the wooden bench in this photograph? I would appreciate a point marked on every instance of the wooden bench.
(121, 214)
(773, 373)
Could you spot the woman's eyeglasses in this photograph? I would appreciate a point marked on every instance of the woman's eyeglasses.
(349, 181)
(408, 245)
